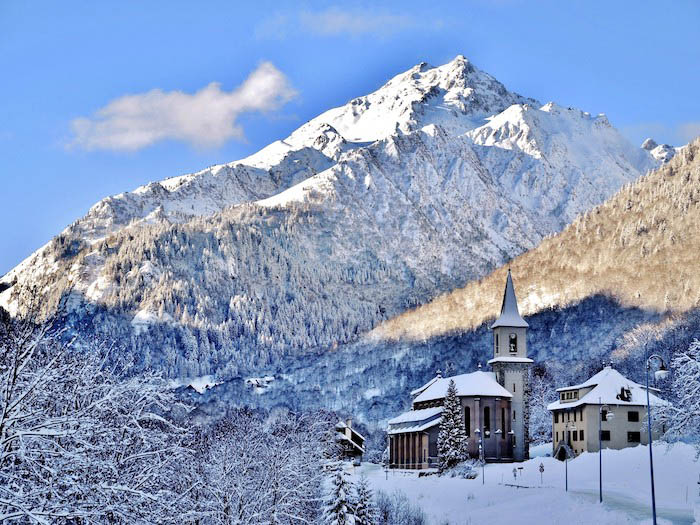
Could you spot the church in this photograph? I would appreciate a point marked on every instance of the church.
(494, 404)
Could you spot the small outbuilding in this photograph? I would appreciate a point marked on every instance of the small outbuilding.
(350, 440)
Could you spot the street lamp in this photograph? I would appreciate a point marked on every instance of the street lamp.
(481, 454)
(569, 427)
(661, 373)
(603, 412)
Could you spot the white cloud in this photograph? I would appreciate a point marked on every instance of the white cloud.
(335, 21)
(205, 118)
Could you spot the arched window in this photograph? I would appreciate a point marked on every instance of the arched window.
(496, 342)
(467, 420)
(503, 423)
(513, 343)
(487, 419)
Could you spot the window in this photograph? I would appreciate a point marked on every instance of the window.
(503, 423)
(574, 416)
(574, 435)
(513, 415)
(568, 416)
(556, 417)
(633, 416)
(605, 435)
(467, 420)
(556, 439)
(513, 343)
(580, 435)
(633, 437)
(576, 394)
(496, 342)
(514, 388)
(487, 419)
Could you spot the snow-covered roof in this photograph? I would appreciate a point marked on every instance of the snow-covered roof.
(421, 388)
(606, 386)
(343, 437)
(510, 316)
(508, 359)
(416, 415)
(342, 426)
(474, 384)
(415, 420)
(418, 427)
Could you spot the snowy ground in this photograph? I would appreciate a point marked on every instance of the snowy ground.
(626, 490)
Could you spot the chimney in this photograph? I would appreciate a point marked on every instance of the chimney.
(348, 422)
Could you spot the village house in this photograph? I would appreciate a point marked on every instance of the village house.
(608, 402)
(351, 442)
(494, 404)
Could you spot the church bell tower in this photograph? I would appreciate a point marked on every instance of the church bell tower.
(512, 366)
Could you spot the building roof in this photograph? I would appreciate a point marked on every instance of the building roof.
(606, 386)
(343, 437)
(421, 388)
(340, 426)
(415, 420)
(509, 359)
(474, 384)
(510, 316)
(413, 416)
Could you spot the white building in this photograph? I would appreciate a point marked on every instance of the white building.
(582, 410)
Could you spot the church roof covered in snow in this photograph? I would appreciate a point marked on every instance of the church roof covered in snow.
(510, 316)
(475, 384)
(415, 420)
(607, 388)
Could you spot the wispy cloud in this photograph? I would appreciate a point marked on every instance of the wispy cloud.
(204, 119)
(336, 21)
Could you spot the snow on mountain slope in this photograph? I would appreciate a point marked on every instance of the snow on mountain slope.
(378, 205)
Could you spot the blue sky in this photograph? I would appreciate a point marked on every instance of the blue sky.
(69, 135)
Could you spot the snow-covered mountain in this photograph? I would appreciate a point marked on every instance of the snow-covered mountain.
(373, 207)
(619, 282)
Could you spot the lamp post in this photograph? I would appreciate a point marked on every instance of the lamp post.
(481, 454)
(661, 373)
(603, 412)
(569, 427)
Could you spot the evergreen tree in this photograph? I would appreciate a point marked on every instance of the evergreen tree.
(452, 439)
(365, 510)
(339, 510)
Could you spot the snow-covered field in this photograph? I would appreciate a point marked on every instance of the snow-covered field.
(626, 490)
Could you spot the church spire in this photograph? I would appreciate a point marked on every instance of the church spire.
(510, 316)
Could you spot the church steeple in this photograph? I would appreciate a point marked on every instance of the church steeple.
(510, 364)
(510, 316)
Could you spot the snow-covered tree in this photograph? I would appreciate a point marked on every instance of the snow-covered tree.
(452, 438)
(80, 441)
(339, 509)
(542, 392)
(257, 469)
(682, 418)
(365, 509)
